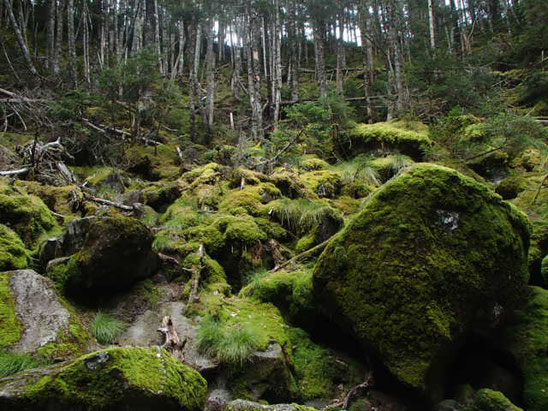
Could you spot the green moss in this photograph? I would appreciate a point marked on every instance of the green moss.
(13, 254)
(490, 400)
(27, 215)
(251, 199)
(528, 340)
(107, 379)
(325, 183)
(319, 372)
(241, 229)
(536, 206)
(313, 163)
(510, 187)
(11, 329)
(155, 163)
(58, 199)
(430, 241)
(409, 138)
(290, 291)
(264, 319)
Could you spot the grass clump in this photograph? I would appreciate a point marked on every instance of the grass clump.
(106, 328)
(12, 363)
(301, 215)
(228, 343)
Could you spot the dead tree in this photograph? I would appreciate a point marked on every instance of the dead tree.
(172, 341)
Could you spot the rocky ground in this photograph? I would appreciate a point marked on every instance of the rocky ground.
(399, 279)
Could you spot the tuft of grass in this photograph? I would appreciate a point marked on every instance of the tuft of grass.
(106, 328)
(301, 215)
(12, 363)
(228, 343)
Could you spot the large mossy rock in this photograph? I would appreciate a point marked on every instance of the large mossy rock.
(34, 319)
(405, 137)
(114, 379)
(527, 341)
(432, 255)
(113, 253)
(27, 215)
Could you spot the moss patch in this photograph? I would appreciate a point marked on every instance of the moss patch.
(528, 341)
(13, 254)
(11, 329)
(27, 215)
(409, 138)
(121, 376)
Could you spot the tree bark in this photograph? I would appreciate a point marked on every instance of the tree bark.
(71, 43)
(20, 38)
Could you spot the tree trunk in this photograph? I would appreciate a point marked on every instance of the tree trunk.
(319, 46)
(51, 34)
(71, 43)
(20, 38)
(431, 27)
(210, 70)
(277, 72)
(340, 49)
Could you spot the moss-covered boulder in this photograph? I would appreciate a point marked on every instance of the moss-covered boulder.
(112, 253)
(406, 137)
(35, 320)
(242, 405)
(114, 379)
(490, 400)
(13, 254)
(25, 214)
(431, 255)
(527, 341)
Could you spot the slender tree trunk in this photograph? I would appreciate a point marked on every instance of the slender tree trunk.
(210, 69)
(58, 37)
(367, 45)
(194, 84)
(277, 72)
(431, 22)
(85, 43)
(293, 39)
(319, 48)
(51, 34)
(254, 63)
(340, 49)
(71, 43)
(20, 38)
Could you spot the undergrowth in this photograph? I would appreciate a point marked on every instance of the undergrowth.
(106, 328)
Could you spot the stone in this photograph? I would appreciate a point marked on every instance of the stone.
(432, 256)
(129, 378)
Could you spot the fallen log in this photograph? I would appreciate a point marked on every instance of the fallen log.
(106, 202)
(14, 172)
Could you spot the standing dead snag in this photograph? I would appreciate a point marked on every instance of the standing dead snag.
(172, 343)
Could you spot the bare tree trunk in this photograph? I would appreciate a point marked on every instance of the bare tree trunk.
(277, 72)
(85, 43)
(20, 39)
(254, 62)
(58, 37)
(51, 34)
(293, 39)
(320, 58)
(431, 27)
(71, 43)
(194, 84)
(340, 48)
(210, 69)
(179, 61)
(368, 63)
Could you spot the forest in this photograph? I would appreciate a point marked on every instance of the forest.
(274, 205)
